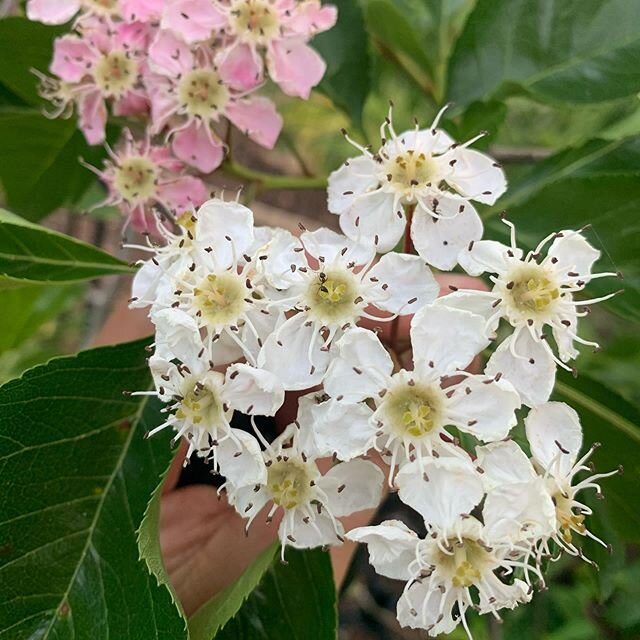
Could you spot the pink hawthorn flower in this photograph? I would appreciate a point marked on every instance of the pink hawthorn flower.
(102, 64)
(61, 11)
(276, 30)
(189, 97)
(141, 176)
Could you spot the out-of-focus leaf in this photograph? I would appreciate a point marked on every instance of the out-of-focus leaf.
(345, 49)
(296, 601)
(575, 51)
(598, 184)
(76, 474)
(25, 45)
(607, 418)
(39, 168)
(479, 116)
(30, 254)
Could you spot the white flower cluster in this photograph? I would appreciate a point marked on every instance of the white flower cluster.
(244, 314)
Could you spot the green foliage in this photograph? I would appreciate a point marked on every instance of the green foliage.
(575, 51)
(30, 254)
(75, 476)
(344, 48)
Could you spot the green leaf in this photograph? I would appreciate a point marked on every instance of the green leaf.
(607, 418)
(39, 168)
(345, 49)
(598, 184)
(30, 254)
(296, 601)
(575, 51)
(25, 45)
(76, 474)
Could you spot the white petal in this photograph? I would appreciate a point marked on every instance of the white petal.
(373, 215)
(349, 181)
(246, 500)
(248, 467)
(453, 488)
(405, 278)
(145, 284)
(573, 254)
(445, 339)
(563, 334)
(427, 141)
(352, 486)
(177, 336)
(484, 409)
(363, 350)
(317, 532)
(289, 360)
(507, 596)
(439, 241)
(227, 227)
(475, 175)
(479, 302)
(334, 247)
(426, 599)
(342, 428)
(503, 463)
(487, 256)
(253, 391)
(391, 546)
(282, 254)
(553, 429)
(532, 373)
(519, 511)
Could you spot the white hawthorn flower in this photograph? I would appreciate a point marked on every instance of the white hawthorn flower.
(422, 171)
(311, 502)
(201, 402)
(531, 293)
(412, 409)
(446, 573)
(330, 291)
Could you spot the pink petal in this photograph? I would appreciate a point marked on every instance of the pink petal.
(72, 58)
(198, 146)
(132, 35)
(295, 66)
(163, 102)
(92, 117)
(169, 55)
(183, 192)
(192, 20)
(142, 10)
(311, 17)
(52, 11)
(131, 104)
(258, 118)
(240, 66)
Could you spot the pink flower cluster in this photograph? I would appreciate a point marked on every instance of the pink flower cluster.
(182, 68)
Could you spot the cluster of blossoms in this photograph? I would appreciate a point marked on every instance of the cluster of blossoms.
(244, 315)
(183, 71)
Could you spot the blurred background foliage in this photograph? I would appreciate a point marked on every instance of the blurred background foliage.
(557, 86)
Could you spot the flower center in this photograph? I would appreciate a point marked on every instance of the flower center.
(254, 20)
(568, 521)
(466, 563)
(102, 7)
(532, 290)
(202, 94)
(413, 410)
(331, 297)
(220, 299)
(200, 405)
(288, 483)
(135, 179)
(409, 170)
(115, 73)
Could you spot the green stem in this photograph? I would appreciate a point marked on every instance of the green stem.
(272, 181)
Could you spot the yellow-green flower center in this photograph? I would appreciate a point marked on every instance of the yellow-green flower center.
(200, 405)
(532, 290)
(466, 563)
(220, 298)
(135, 179)
(102, 7)
(288, 483)
(115, 73)
(409, 170)
(201, 93)
(568, 521)
(254, 20)
(332, 296)
(413, 410)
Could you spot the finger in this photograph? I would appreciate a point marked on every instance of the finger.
(176, 467)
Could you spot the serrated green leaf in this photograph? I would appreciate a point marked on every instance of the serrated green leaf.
(575, 51)
(75, 477)
(296, 601)
(598, 184)
(39, 162)
(608, 418)
(30, 254)
(25, 45)
(344, 48)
